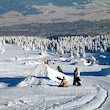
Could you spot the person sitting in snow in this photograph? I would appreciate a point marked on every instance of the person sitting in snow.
(76, 77)
(59, 69)
(63, 82)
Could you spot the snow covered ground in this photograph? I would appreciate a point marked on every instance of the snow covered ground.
(28, 84)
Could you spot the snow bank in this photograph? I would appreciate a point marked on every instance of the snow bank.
(53, 74)
(102, 56)
(83, 62)
(32, 78)
(3, 85)
(63, 59)
(41, 74)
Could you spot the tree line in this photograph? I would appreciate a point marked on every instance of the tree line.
(82, 27)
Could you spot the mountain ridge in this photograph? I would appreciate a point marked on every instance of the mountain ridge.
(14, 12)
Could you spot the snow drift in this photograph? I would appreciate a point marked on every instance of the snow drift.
(83, 62)
(41, 74)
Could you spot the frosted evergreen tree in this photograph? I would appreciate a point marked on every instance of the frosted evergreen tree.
(33, 47)
(43, 50)
(76, 46)
(16, 57)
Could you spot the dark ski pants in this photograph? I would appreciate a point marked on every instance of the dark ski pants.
(76, 81)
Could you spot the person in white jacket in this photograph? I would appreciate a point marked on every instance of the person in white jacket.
(76, 77)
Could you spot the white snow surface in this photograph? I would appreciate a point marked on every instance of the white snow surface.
(28, 84)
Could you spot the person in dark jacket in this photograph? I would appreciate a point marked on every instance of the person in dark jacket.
(76, 77)
(59, 69)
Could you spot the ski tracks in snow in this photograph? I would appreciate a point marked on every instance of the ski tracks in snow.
(104, 84)
(93, 98)
(90, 96)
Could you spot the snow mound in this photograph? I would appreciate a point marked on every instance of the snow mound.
(29, 80)
(3, 85)
(102, 56)
(53, 74)
(41, 75)
(83, 62)
(63, 59)
(31, 63)
(35, 77)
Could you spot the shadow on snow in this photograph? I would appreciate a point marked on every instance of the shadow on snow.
(15, 81)
(103, 72)
(11, 81)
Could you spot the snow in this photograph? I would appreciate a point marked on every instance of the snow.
(28, 84)
(103, 56)
(2, 85)
(62, 59)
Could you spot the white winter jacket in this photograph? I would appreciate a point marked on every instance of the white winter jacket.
(77, 73)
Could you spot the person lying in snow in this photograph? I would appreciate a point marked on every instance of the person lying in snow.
(59, 69)
(63, 82)
(76, 77)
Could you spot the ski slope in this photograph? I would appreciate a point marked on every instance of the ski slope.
(28, 84)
